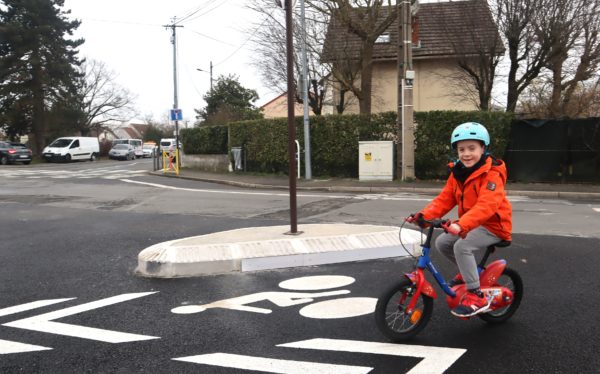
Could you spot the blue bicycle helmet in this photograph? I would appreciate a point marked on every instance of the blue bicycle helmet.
(470, 131)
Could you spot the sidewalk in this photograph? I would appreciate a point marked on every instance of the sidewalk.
(260, 248)
(247, 180)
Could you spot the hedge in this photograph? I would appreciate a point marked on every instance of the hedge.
(334, 140)
(432, 138)
(205, 140)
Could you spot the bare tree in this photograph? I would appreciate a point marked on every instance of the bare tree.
(584, 100)
(270, 45)
(103, 99)
(477, 47)
(571, 29)
(516, 20)
(366, 19)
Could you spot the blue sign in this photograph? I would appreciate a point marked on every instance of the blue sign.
(176, 115)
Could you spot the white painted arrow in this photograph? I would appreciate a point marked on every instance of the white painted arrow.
(6, 347)
(29, 306)
(435, 359)
(271, 365)
(44, 322)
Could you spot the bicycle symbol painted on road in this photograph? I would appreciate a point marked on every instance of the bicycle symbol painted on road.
(328, 309)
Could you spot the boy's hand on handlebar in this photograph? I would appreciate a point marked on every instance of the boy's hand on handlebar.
(452, 228)
(416, 218)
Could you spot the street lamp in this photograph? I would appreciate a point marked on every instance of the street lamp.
(211, 75)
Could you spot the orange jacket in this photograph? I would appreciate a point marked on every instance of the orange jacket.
(481, 200)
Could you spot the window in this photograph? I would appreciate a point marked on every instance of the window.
(382, 39)
(75, 144)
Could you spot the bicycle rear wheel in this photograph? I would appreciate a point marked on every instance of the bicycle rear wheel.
(511, 280)
(390, 316)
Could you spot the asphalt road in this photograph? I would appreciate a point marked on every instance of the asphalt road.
(74, 241)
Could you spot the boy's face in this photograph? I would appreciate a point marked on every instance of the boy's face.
(469, 152)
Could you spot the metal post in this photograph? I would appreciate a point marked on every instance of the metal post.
(173, 27)
(291, 125)
(406, 95)
(307, 163)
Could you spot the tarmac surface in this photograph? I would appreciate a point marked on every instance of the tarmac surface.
(272, 247)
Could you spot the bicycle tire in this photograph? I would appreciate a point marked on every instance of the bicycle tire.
(390, 317)
(502, 315)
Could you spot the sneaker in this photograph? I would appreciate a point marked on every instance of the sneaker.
(472, 303)
(456, 281)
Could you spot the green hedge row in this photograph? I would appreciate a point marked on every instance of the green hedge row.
(205, 140)
(334, 140)
(432, 138)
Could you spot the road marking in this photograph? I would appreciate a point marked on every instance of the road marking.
(44, 322)
(340, 308)
(271, 365)
(435, 359)
(8, 347)
(282, 299)
(316, 282)
(596, 209)
(30, 306)
(355, 197)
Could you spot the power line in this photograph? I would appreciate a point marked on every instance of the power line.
(244, 43)
(208, 11)
(210, 37)
(124, 22)
(201, 7)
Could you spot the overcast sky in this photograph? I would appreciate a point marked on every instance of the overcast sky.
(129, 37)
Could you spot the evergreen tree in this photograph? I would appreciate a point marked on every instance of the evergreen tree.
(37, 64)
(228, 101)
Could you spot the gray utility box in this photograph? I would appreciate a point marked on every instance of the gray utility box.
(376, 160)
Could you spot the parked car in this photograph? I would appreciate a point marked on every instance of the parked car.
(122, 152)
(72, 148)
(11, 152)
(149, 149)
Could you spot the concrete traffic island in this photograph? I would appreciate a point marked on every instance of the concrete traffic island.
(261, 248)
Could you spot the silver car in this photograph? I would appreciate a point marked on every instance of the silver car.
(122, 152)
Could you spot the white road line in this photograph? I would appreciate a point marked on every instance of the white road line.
(596, 210)
(355, 197)
(29, 306)
(271, 365)
(8, 347)
(44, 322)
(435, 359)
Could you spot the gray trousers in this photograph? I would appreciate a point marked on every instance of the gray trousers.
(461, 251)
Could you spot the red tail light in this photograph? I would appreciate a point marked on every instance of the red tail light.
(12, 150)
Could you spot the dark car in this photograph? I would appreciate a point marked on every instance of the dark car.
(11, 152)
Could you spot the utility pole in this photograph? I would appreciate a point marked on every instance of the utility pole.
(406, 77)
(307, 164)
(211, 79)
(173, 27)
(289, 39)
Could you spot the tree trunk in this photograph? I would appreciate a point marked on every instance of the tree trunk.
(366, 75)
(513, 94)
(38, 120)
(555, 107)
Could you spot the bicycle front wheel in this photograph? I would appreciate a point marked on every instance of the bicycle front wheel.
(390, 313)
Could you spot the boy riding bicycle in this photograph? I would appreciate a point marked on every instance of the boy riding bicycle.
(476, 185)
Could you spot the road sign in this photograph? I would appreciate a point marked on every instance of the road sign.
(176, 115)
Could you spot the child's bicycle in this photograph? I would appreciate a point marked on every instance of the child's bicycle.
(404, 309)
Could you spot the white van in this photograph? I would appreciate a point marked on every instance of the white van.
(72, 148)
(138, 150)
(168, 144)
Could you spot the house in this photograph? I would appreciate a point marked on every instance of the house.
(442, 33)
(278, 107)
